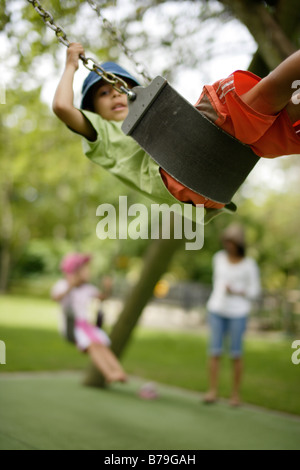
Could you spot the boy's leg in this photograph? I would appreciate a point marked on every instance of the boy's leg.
(274, 92)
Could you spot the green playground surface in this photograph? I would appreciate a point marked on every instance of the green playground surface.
(55, 412)
(29, 328)
(44, 407)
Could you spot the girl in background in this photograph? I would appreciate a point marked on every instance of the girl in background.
(75, 293)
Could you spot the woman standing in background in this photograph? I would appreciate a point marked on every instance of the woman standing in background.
(236, 283)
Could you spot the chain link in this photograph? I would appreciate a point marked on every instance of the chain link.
(117, 82)
(117, 37)
(49, 21)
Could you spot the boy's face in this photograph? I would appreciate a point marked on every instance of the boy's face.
(110, 104)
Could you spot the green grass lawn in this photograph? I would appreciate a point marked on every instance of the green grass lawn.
(57, 413)
(29, 328)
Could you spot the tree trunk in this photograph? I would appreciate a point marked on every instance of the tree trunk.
(287, 15)
(157, 260)
(258, 65)
(273, 43)
(4, 268)
(6, 234)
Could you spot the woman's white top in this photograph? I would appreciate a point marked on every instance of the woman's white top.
(242, 277)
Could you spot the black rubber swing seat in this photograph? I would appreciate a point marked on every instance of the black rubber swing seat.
(186, 144)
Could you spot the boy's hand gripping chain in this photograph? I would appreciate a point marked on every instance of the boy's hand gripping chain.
(117, 82)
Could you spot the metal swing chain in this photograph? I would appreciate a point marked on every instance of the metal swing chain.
(117, 37)
(117, 82)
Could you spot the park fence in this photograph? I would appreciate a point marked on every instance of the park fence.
(273, 311)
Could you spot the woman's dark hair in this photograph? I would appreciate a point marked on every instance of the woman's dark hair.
(241, 250)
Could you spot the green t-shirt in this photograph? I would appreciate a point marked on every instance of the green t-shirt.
(124, 158)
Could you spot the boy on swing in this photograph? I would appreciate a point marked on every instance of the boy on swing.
(262, 113)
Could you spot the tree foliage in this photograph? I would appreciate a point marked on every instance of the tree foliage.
(49, 192)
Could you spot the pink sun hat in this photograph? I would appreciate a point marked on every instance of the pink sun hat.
(74, 261)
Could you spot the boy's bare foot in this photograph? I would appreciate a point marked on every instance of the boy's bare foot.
(210, 398)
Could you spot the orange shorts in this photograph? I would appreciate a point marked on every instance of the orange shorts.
(268, 136)
(184, 194)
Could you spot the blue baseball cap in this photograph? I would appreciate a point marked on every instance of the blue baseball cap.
(94, 78)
